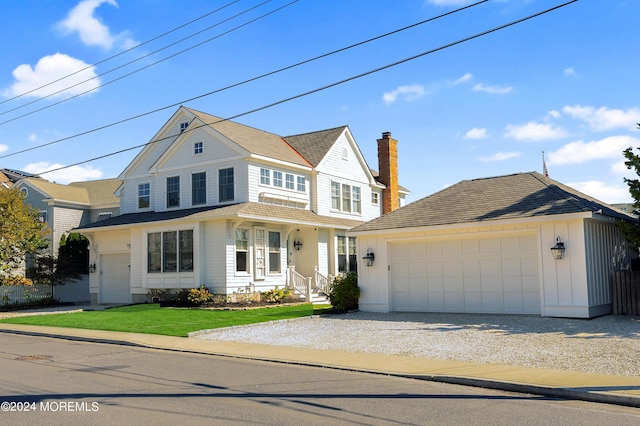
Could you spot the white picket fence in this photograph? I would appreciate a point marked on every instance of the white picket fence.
(23, 294)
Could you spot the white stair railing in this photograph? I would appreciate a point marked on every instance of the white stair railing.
(299, 283)
(322, 283)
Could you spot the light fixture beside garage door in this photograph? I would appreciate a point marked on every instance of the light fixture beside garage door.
(368, 258)
(557, 251)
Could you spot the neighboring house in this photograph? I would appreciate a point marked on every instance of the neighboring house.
(217, 203)
(64, 207)
(484, 246)
(9, 177)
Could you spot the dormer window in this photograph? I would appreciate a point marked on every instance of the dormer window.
(183, 126)
(198, 148)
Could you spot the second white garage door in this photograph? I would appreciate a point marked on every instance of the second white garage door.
(482, 275)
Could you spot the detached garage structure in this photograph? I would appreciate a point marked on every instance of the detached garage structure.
(484, 246)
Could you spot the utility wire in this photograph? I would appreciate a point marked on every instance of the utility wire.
(337, 83)
(120, 53)
(145, 67)
(243, 82)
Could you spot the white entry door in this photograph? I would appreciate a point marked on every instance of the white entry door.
(114, 278)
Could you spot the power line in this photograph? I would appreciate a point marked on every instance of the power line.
(120, 53)
(245, 81)
(140, 69)
(337, 83)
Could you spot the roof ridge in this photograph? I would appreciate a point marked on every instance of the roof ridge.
(316, 131)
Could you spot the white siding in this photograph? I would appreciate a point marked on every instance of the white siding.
(259, 192)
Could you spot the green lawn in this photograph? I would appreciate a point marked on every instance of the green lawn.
(152, 319)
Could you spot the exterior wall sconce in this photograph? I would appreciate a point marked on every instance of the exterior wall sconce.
(92, 268)
(297, 244)
(557, 251)
(368, 258)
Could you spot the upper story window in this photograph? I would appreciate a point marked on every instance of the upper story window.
(199, 188)
(375, 198)
(346, 198)
(277, 179)
(289, 184)
(183, 126)
(144, 194)
(302, 184)
(173, 191)
(198, 148)
(42, 216)
(225, 185)
(265, 176)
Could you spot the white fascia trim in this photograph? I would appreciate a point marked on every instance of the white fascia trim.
(286, 164)
(483, 224)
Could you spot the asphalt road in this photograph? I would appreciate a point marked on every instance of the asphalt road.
(56, 381)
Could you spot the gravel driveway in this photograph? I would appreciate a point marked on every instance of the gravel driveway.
(606, 345)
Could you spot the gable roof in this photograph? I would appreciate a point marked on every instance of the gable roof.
(253, 140)
(516, 196)
(100, 191)
(248, 211)
(59, 192)
(314, 146)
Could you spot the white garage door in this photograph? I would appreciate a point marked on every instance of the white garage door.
(484, 275)
(114, 278)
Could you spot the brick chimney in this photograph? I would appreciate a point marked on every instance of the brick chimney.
(388, 172)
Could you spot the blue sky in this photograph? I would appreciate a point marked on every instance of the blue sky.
(564, 83)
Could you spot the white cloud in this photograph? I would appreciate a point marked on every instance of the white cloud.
(408, 93)
(64, 176)
(534, 132)
(604, 118)
(553, 114)
(501, 156)
(608, 193)
(32, 137)
(569, 72)
(49, 69)
(463, 79)
(476, 133)
(579, 152)
(3, 148)
(494, 90)
(91, 30)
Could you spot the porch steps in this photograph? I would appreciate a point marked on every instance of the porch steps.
(316, 298)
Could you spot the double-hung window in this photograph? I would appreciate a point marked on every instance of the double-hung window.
(225, 185)
(302, 184)
(199, 188)
(335, 195)
(346, 198)
(274, 251)
(173, 191)
(347, 258)
(242, 250)
(144, 193)
(265, 176)
(277, 179)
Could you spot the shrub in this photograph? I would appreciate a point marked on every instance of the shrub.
(345, 292)
(15, 280)
(275, 295)
(198, 296)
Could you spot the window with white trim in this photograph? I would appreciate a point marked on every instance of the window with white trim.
(289, 181)
(375, 198)
(265, 176)
(242, 250)
(198, 188)
(347, 258)
(198, 147)
(173, 191)
(170, 251)
(302, 184)
(274, 252)
(346, 198)
(144, 193)
(277, 179)
(225, 185)
(183, 126)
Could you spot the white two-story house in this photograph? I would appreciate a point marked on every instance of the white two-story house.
(214, 202)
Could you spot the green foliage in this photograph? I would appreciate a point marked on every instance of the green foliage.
(345, 292)
(20, 230)
(73, 255)
(198, 296)
(275, 295)
(631, 230)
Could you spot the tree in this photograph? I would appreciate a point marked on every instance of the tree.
(21, 231)
(631, 230)
(71, 263)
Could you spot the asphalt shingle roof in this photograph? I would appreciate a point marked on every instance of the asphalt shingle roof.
(516, 196)
(253, 140)
(314, 146)
(100, 191)
(249, 210)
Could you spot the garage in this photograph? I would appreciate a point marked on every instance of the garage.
(114, 278)
(498, 274)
